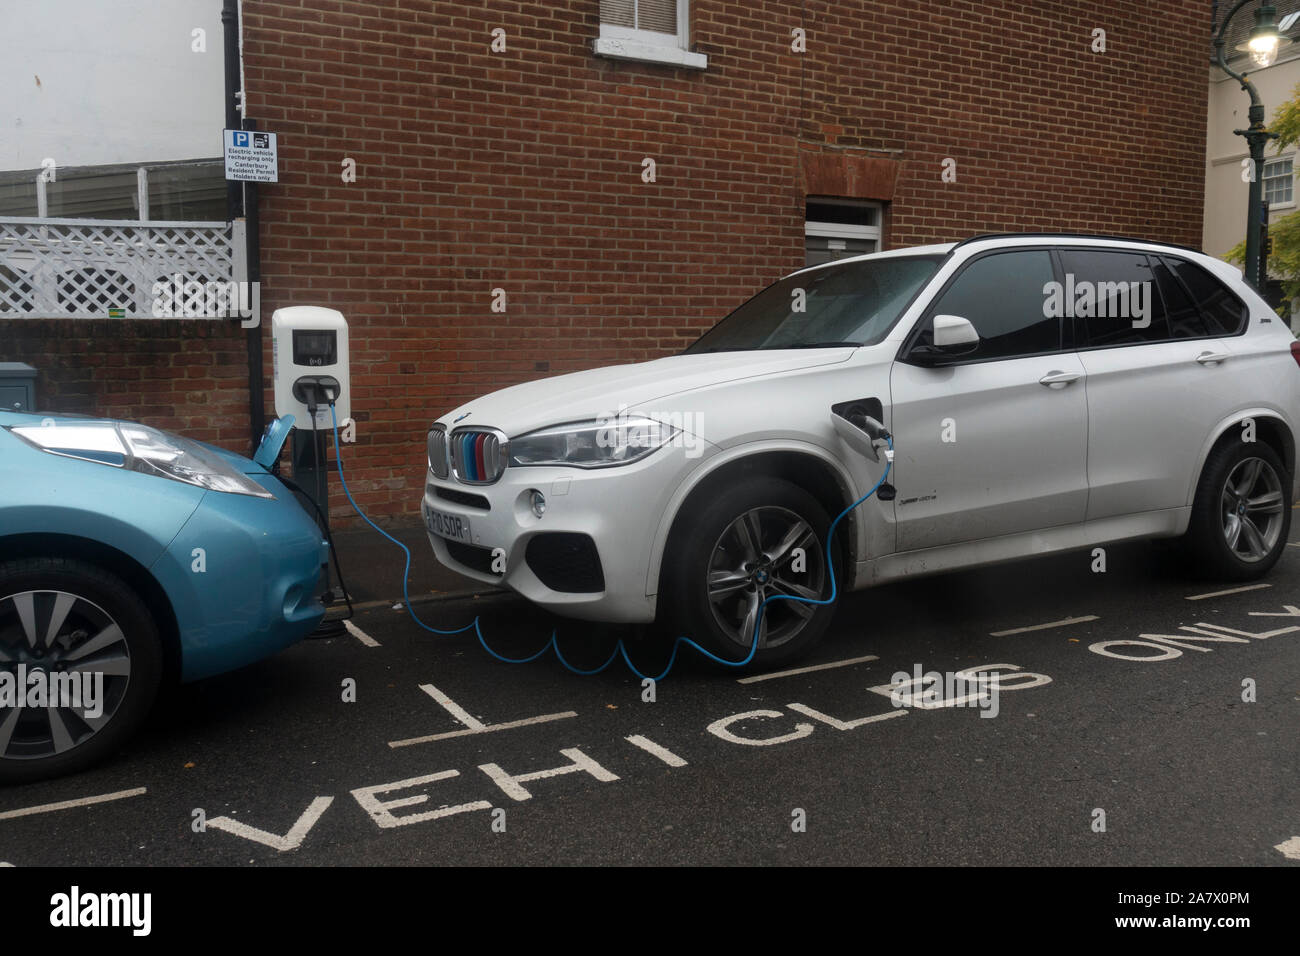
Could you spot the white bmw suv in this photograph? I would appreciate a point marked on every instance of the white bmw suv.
(1043, 392)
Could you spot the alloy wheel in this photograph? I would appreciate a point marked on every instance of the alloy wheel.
(64, 641)
(1252, 504)
(765, 552)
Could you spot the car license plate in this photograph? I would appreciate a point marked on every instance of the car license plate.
(448, 526)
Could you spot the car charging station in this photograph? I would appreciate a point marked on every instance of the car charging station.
(312, 392)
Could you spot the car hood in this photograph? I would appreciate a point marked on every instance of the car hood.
(603, 392)
(238, 462)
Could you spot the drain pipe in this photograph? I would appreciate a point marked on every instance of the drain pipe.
(239, 200)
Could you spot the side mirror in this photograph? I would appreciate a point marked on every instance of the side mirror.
(952, 331)
(953, 337)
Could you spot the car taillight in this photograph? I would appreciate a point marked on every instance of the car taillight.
(1295, 352)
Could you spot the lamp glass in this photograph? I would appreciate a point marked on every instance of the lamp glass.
(1263, 50)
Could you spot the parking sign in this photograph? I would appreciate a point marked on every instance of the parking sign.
(251, 156)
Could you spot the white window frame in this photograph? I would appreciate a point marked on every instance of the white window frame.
(650, 46)
(842, 230)
(1264, 181)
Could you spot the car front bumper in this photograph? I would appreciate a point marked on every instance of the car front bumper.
(618, 511)
(242, 576)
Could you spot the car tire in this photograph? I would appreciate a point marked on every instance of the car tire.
(1241, 514)
(709, 548)
(96, 624)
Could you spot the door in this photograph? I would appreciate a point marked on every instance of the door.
(993, 442)
(1157, 382)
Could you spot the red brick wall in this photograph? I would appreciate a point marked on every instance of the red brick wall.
(521, 170)
(188, 376)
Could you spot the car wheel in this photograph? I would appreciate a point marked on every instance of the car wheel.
(735, 552)
(1241, 515)
(89, 639)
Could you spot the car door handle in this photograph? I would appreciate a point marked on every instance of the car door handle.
(1059, 379)
(1211, 358)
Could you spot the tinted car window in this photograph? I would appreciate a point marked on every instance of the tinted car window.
(1223, 312)
(1112, 298)
(1002, 296)
(1185, 319)
(852, 303)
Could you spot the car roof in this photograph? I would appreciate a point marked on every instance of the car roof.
(1009, 240)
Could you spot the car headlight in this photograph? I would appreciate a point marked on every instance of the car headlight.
(599, 444)
(140, 448)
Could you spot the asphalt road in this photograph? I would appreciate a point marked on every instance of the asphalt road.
(285, 771)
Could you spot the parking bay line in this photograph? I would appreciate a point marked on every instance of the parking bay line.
(806, 670)
(1214, 594)
(1043, 627)
(69, 804)
(360, 635)
(472, 724)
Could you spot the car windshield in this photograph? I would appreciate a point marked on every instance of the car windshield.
(852, 303)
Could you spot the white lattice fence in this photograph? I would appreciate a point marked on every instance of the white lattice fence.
(98, 269)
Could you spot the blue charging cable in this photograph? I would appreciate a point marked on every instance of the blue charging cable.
(619, 648)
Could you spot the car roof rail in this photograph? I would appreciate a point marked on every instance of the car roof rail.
(1072, 235)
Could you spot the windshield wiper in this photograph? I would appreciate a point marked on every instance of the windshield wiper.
(811, 345)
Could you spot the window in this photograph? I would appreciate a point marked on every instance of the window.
(1185, 319)
(851, 303)
(1001, 294)
(656, 31)
(1223, 312)
(837, 228)
(180, 192)
(1279, 181)
(1183, 301)
(1107, 292)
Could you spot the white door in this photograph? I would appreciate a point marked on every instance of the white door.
(993, 442)
(1156, 383)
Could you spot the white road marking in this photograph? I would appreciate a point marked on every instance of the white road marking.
(360, 635)
(719, 728)
(650, 747)
(472, 724)
(1043, 627)
(490, 728)
(844, 724)
(453, 708)
(290, 841)
(6, 864)
(69, 804)
(1258, 635)
(512, 784)
(1290, 848)
(806, 670)
(1288, 610)
(381, 810)
(1212, 594)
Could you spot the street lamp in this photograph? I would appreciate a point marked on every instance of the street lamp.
(1262, 46)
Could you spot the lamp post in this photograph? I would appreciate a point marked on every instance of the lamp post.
(1262, 46)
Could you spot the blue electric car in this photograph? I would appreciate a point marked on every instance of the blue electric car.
(130, 557)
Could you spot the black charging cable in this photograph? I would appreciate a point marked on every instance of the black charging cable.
(329, 537)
